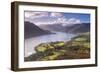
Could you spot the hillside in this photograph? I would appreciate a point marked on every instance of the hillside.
(31, 30)
(53, 27)
(75, 28)
(78, 28)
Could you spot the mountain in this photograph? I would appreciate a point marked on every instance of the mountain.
(53, 27)
(78, 28)
(75, 28)
(32, 30)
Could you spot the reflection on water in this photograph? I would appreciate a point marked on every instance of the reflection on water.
(34, 41)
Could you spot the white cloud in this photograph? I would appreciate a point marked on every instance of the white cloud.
(54, 18)
(78, 21)
(56, 14)
(59, 20)
(68, 22)
(32, 15)
(74, 21)
(62, 20)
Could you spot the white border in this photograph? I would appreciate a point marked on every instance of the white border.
(23, 64)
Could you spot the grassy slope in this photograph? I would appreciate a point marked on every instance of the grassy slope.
(77, 48)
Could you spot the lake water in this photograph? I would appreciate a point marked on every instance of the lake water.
(34, 41)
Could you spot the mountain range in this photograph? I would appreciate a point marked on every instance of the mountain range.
(75, 28)
(32, 30)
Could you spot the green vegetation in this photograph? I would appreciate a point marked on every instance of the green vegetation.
(77, 48)
(47, 46)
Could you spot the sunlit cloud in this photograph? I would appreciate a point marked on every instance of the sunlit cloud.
(72, 21)
(63, 21)
(46, 18)
(67, 22)
(32, 15)
(56, 14)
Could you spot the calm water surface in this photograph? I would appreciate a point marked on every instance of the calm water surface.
(34, 41)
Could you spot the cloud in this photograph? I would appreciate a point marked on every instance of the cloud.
(46, 18)
(74, 21)
(56, 14)
(68, 22)
(59, 20)
(63, 21)
(32, 15)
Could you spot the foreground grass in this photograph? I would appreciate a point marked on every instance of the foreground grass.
(77, 48)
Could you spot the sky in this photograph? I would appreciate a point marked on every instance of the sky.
(45, 18)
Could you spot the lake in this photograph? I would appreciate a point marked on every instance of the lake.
(31, 43)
